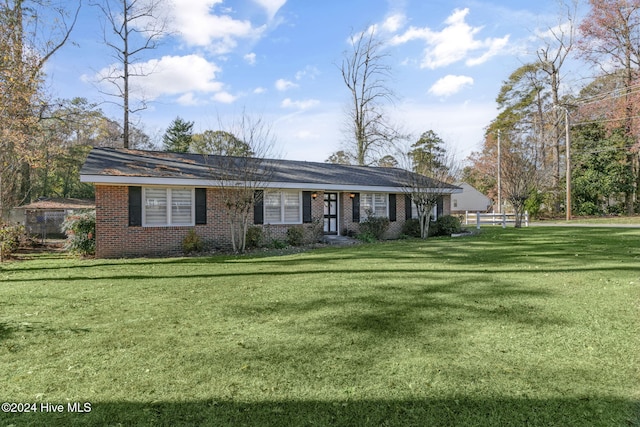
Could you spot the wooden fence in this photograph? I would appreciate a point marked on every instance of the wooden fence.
(503, 219)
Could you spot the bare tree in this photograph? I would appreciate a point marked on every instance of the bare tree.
(366, 74)
(428, 176)
(558, 44)
(242, 179)
(519, 177)
(132, 28)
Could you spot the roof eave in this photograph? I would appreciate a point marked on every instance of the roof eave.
(191, 182)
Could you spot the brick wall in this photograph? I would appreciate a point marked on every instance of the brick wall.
(115, 238)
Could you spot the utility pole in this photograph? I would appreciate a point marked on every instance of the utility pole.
(568, 157)
(499, 174)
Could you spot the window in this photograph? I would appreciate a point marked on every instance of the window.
(168, 206)
(282, 207)
(374, 202)
(414, 212)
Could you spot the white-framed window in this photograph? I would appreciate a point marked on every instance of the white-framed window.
(378, 203)
(167, 206)
(414, 212)
(283, 207)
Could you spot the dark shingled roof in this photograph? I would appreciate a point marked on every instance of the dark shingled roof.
(160, 164)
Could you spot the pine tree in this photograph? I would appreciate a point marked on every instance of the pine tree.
(178, 136)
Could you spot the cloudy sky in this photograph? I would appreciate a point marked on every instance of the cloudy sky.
(279, 59)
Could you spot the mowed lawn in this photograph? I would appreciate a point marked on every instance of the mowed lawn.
(530, 327)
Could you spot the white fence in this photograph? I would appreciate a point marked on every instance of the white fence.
(503, 219)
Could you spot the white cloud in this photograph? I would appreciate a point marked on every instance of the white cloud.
(283, 85)
(188, 100)
(259, 90)
(250, 58)
(170, 75)
(196, 23)
(450, 85)
(394, 22)
(224, 97)
(309, 71)
(300, 105)
(271, 6)
(454, 43)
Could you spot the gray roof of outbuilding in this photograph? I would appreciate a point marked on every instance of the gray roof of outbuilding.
(110, 162)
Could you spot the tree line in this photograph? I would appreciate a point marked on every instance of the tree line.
(554, 139)
(44, 141)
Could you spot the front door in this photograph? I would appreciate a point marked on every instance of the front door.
(330, 213)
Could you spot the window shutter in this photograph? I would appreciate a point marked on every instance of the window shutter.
(258, 207)
(440, 209)
(407, 206)
(306, 207)
(392, 207)
(135, 206)
(201, 206)
(355, 207)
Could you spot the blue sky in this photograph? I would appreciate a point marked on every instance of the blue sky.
(279, 59)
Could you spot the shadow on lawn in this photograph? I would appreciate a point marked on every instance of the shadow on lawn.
(457, 411)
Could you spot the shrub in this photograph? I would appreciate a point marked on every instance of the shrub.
(10, 236)
(192, 242)
(81, 232)
(373, 227)
(446, 225)
(255, 237)
(411, 227)
(278, 244)
(295, 235)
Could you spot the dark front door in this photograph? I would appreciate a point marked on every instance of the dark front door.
(330, 213)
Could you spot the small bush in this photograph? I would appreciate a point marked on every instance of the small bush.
(192, 242)
(295, 235)
(445, 226)
(278, 244)
(255, 237)
(411, 228)
(81, 233)
(10, 236)
(373, 227)
(367, 237)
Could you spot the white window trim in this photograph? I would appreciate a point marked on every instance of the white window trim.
(363, 210)
(414, 211)
(169, 219)
(282, 222)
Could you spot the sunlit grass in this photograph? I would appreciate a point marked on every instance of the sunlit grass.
(512, 327)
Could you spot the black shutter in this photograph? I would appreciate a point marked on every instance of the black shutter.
(355, 207)
(392, 207)
(440, 209)
(258, 207)
(306, 207)
(201, 206)
(135, 206)
(407, 206)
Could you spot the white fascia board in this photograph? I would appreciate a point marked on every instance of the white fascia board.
(190, 182)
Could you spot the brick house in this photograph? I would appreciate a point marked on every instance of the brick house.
(147, 201)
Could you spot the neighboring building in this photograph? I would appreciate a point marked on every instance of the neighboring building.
(469, 200)
(45, 216)
(147, 201)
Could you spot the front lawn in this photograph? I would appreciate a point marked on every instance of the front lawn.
(537, 327)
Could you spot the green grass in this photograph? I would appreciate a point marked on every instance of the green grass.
(536, 327)
(606, 220)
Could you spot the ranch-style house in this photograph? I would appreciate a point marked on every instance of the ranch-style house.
(147, 201)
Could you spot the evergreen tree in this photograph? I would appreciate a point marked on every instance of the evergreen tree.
(178, 136)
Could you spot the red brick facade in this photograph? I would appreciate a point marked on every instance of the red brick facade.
(115, 238)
